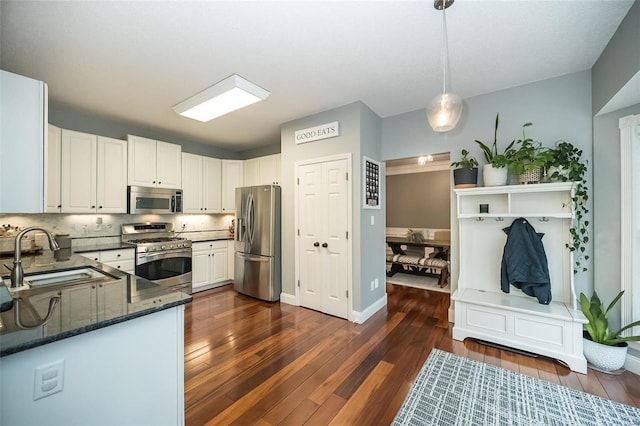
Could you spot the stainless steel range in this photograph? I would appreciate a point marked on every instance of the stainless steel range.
(160, 255)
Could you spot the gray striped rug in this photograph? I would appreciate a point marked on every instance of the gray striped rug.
(452, 390)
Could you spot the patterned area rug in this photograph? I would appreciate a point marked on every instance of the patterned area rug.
(452, 390)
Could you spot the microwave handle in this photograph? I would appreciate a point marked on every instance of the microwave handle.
(173, 204)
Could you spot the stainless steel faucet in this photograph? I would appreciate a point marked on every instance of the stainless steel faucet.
(17, 274)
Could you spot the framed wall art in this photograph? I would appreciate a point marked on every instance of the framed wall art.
(371, 170)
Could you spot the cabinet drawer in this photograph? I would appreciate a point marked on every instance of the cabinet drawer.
(123, 265)
(201, 246)
(113, 255)
(206, 245)
(94, 255)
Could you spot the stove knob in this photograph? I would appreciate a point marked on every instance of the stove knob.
(149, 249)
(162, 247)
(171, 246)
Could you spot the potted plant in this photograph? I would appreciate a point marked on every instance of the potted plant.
(495, 172)
(527, 159)
(603, 349)
(466, 173)
(566, 165)
(415, 236)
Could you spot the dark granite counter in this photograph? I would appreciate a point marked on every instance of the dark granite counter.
(77, 308)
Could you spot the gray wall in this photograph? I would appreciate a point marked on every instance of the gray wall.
(619, 61)
(359, 135)
(419, 200)
(560, 108)
(82, 121)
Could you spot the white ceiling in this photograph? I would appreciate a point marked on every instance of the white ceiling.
(131, 61)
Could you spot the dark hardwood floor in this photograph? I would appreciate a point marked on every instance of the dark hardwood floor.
(252, 362)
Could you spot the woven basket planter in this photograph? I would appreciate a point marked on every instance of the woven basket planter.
(532, 176)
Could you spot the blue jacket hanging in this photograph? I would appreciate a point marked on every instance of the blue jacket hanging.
(524, 262)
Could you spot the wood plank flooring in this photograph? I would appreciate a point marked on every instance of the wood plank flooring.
(252, 362)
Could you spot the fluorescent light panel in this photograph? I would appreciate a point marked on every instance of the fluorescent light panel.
(228, 95)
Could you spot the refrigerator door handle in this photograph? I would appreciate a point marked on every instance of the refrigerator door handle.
(255, 258)
(239, 233)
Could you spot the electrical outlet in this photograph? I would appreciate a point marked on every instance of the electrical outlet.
(372, 284)
(184, 225)
(49, 379)
(376, 282)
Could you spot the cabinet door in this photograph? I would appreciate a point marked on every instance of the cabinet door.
(270, 169)
(218, 265)
(169, 165)
(78, 306)
(192, 181)
(200, 265)
(111, 175)
(111, 299)
(251, 172)
(54, 150)
(141, 161)
(231, 179)
(79, 152)
(212, 185)
(230, 259)
(93, 255)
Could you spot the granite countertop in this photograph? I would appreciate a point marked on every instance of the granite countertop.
(200, 236)
(103, 247)
(120, 298)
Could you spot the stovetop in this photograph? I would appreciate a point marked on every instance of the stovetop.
(153, 237)
(156, 240)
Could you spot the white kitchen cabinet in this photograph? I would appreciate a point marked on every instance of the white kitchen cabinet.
(209, 264)
(122, 259)
(23, 144)
(111, 299)
(262, 170)
(54, 163)
(154, 163)
(513, 319)
(201, 182)
(93, 173)
(230, 259)
(79, 306)
(231, 179)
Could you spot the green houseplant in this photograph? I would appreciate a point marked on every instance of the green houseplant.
(527, 158)
(604, 349)
(565, 164)
(466, 173)
(495, 172)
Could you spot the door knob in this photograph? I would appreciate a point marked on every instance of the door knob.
(316, 244)
(325, 245)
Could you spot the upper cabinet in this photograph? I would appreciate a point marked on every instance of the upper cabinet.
(262, 170)
(154, 163)
(232, 177)
(54, 152)
(23, 136)
(201, 182)
(93, 173)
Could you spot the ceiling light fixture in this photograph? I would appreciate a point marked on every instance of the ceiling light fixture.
(443, 112)
(230, 94)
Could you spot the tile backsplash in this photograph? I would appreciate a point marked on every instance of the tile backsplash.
(80, 226)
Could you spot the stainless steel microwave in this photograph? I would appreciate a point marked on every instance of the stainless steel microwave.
(145, 200)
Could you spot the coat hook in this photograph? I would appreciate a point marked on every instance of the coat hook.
(479, 219)
(544, 219)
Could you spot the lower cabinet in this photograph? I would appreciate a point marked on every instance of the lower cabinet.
(122, 259)
(209, 264)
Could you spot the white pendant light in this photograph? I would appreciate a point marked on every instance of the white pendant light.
(230, 94)
(443, 112)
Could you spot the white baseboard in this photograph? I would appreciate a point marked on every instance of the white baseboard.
(361, 317)
(289, 299)
(452, 314)
(632, 363)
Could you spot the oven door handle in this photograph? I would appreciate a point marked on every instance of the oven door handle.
(150, 257)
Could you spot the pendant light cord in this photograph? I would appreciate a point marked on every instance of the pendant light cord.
(445, 48)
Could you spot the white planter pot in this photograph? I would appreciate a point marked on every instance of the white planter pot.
(493, 176)
(603, 357)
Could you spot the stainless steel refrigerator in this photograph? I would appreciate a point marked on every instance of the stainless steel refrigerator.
(258, 271)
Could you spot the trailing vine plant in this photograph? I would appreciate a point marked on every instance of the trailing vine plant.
(566, 165)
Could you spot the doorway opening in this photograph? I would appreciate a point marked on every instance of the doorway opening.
(418, 209)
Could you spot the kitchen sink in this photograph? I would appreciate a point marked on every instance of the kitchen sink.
(83, 275)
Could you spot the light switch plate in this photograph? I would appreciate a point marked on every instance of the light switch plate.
(49, 379)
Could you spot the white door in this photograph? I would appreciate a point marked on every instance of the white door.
(169, 165)
(53, 170)
(323, 247)
(142, 161)
(78, 191)
(193, 181)
(111, 175)
(211, 187)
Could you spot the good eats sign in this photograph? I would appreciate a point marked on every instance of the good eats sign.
(324, 131)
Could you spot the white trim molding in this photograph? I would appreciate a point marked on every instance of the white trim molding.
(289, 299)
(361, 317)
(630, 222)
(632, 363)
